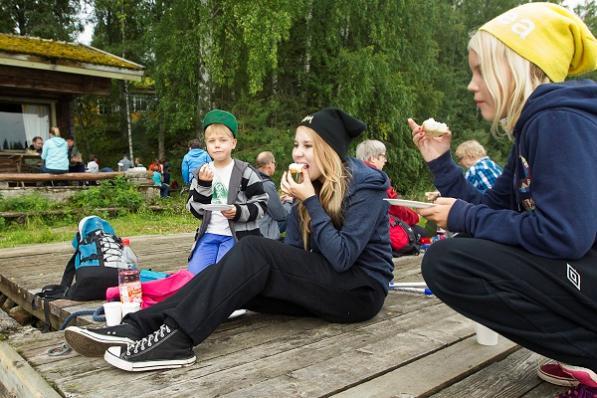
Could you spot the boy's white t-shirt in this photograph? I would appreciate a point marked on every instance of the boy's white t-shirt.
(218, 224)
(92, 167)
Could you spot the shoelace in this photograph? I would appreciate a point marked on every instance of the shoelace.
(580, 391)
(111, 249)
(148, 341)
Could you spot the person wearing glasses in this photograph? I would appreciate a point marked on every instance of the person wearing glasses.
(403, 221)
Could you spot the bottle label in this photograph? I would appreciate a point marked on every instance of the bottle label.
(131, 292)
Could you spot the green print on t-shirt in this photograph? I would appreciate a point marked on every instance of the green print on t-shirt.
(220, 192)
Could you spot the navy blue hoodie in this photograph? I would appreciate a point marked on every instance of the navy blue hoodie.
(363, 241)
(545, 199)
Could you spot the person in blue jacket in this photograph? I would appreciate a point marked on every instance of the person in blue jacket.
(55, 153)
(193, 160)
(528, 268)
(336, 261)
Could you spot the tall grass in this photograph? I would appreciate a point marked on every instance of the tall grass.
(135, 219)
(36, 231)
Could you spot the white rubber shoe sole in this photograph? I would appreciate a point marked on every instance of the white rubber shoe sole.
(91, 344)
(112, 356)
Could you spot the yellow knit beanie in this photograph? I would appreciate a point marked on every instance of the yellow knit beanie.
(548, 35)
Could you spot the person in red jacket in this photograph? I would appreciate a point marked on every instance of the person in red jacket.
(373, 154)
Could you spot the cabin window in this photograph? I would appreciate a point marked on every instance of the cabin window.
(20, 122)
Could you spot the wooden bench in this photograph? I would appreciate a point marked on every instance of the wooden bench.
(22, 178)
(17, 161)
(39, 177)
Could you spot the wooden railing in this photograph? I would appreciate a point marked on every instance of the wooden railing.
(38, 177)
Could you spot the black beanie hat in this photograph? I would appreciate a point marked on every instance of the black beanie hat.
(336, 127)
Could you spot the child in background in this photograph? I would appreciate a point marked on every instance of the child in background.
(482, 171)
(193, 160)
(223, 181)
(158, 181)
(93, 164)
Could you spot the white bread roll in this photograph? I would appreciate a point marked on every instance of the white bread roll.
(296, 171)
(434, 128)
(295, 168)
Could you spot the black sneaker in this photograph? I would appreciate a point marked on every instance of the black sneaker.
(94, 342)
(165, 348)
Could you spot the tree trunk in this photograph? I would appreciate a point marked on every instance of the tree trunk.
(161, 139)
(128, 118)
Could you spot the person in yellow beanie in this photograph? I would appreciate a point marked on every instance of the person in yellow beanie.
(525, 264)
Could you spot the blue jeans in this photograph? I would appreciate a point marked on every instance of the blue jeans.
(209, 249)
(44, 169)
(164, 190)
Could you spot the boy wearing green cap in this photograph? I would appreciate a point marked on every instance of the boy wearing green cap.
(227, 194)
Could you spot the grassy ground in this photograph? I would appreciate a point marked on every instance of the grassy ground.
(144, 223)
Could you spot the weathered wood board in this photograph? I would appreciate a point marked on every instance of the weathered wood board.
(415, 347)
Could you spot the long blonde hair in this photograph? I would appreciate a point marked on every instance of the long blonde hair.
(331, 191)
(509, 95)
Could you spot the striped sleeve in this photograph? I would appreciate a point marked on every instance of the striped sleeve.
(254, 204)
(199, 193)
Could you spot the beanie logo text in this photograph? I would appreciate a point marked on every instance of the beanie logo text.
(307, 119)
(522, 27)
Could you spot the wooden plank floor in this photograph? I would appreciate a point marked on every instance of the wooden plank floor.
(415, 347)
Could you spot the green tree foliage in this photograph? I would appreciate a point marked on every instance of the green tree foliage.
(274, 61)
(48, 19)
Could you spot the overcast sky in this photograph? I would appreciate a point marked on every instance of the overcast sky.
(85, 36)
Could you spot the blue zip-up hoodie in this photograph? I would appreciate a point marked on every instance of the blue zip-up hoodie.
(545, 199)
(363, 241)
(193, 160)
(55, 154)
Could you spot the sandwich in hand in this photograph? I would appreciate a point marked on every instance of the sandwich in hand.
(434, 128)
(296, 171)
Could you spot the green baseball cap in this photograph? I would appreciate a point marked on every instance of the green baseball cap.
(218, 116)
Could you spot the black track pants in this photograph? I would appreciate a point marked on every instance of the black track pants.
(548, 306)
(266, 276)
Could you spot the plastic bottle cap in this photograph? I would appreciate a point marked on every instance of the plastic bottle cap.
(126, 241)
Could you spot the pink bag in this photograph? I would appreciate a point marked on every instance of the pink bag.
(156, 291)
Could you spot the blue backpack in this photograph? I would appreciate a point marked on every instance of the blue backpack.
(94, 265)
(95, 262)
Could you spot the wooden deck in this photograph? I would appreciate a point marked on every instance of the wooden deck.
(415, 347)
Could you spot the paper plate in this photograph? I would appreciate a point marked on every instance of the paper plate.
(217, 207)
(413, 204)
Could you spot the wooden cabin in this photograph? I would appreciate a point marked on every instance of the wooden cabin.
(39, 79)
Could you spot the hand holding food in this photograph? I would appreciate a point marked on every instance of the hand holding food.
(296, 171)
(434, 128)
(205, 173)
(299, 190)
(431, 196)
(431, 147)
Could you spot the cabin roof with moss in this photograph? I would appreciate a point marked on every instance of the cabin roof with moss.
(58, 50)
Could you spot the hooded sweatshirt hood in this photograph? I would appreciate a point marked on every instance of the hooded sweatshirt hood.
(193, 160)
(365, 177)
(577, 95)
(55, 154)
